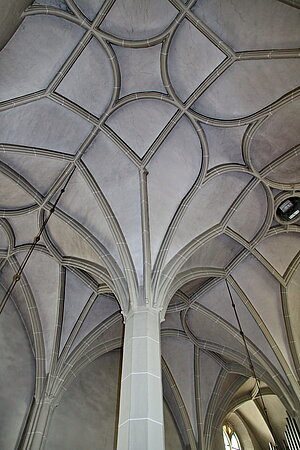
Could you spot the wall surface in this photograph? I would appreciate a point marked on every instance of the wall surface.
(16, 376)
(86, 417)
(10, 17)
(171, 434)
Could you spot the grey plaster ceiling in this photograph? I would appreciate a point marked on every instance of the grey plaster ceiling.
(191, 109)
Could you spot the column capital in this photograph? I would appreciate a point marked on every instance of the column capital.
(143, 309)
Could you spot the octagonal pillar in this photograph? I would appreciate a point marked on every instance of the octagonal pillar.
(141, 424)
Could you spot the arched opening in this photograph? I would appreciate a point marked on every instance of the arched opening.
(231, 441)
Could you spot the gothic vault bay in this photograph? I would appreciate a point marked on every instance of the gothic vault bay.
(153, 147)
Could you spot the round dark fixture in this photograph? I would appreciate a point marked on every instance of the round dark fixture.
(289, 209)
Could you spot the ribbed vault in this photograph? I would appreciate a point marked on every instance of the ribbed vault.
(181, 123)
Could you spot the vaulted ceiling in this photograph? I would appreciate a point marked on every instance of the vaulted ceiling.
(191, 109)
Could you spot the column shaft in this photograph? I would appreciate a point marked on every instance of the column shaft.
(141, 404)
(37, 426)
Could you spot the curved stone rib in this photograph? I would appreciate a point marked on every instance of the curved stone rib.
(115, 281)
(267, 334)
(71, 338)
(258, 320)
(18, 211)
(197, 387)
(206, 31)
(268, 220)
(81, 355)
(286, 156)
(75, 10)
(27, 150)
(242, 399)
(263, 173)
(141, 43)
(192, 274)
(239, 365)
(268, 54)
(51, 10)
(153, 95)
(71, 106)
(68, 64)
(10, 235)
(58, 183)
(116, 74)
(169, 272)
(203, 177)
(260, 359)
(268, 110)
(119, 238)
(238, 362)
(81, 20)
(25, 247)
(283, 229)
(293, 266)
(164, 53)
(217, 405)
(293, 3)
(36, 326)
(180, 403)
(157, 270)
(161, 137)
(93, 268)
(121, 144)
(209, 80)
(58, 321)
(289, 329)
(87, 280)
(102, 13)
(22, 182)
(23, 100)
(249, 249)
(189, 248)
(73, 370)
(269, 214)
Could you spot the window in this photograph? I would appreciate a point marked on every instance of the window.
(289, 209)
(230, 438)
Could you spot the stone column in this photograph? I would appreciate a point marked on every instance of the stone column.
(36, 430)
(141, 425)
